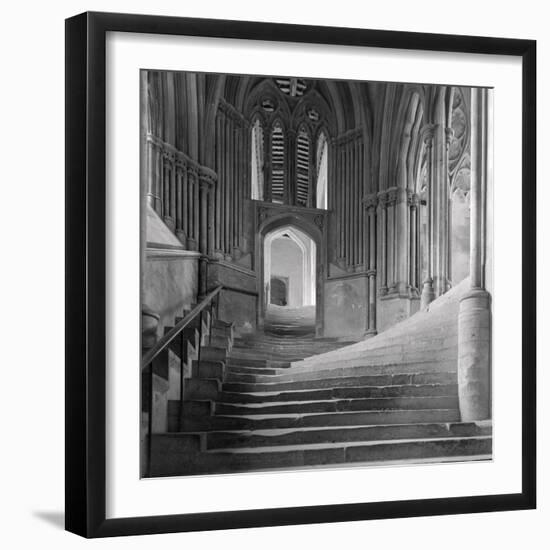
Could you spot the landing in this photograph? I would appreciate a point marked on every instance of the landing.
(291, 321)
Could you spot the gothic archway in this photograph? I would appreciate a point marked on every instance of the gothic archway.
(300, 230)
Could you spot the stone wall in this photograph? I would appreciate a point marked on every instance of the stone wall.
(169, 274)
(238, 301)
(170, 283)
(346, 306)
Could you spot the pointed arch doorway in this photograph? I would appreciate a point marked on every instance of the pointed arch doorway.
(290, 289)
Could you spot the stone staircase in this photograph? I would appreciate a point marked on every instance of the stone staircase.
(254, 403)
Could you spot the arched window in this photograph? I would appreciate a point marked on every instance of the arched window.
(321, 166)
(277, 163)
(257, 160)
(302, 168)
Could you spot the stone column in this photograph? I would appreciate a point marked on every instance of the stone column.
(218, 217)
(428, 293)
(383, 239)
(402, 241)
(474, 317)
(370, 205)
(439, 196)
(203, 232)
(180, 212)
(390, 238)
(152, 199)
(413, 205)
(158, 179)
(193, 206)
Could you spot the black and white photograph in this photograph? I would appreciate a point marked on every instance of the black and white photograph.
(316, 273)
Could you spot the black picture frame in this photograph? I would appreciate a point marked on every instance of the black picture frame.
(86, 263)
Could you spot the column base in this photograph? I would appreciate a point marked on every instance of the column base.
(181, 236)
(428, 294)
(474, 349)
(394, 308)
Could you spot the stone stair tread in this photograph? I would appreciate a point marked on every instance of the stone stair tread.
(266, 432)
(267, 404)
(335, 388)
(337, 405)
(341, 381)
(338, 445)
(319, 414)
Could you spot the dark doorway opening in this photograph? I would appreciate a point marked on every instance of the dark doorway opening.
(279, 291)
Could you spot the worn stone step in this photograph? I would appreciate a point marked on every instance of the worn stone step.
(247, 459)
(338, 405)
(281, 421)
(408, 390)
(212, 353)
(202, 388)
(222, 342)
(343, 434)
(251, 370)
(221, 332)
(208, 369)
(291, 375)
(344, 381)
(255, 363)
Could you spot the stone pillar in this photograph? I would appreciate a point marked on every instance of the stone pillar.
(158, 179)
(428, 294)
(180, 204)
(413, 264)
(370, 205)
(474, 317)
(152, 199)
(218, 217)
(402, 242)
(390, 238)
(439, 196)
(203, 231)
(193, 208)
(227, 187)
(383, 239)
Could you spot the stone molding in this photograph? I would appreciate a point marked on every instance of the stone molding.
(182, 161)
(316, 216)
(154, 253)
(230, 111)
(348, 136)
(233, 266)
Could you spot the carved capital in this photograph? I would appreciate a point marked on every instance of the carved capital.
(392, 193)
(412, 199)
(207, 176)
(382, 198)
(370, 201)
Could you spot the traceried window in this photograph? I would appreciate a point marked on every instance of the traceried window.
(257, 156)
(288, 170)
(277, 163)
(302, 168)
(321, 166)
